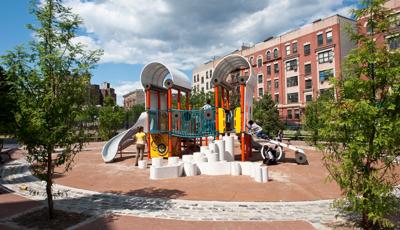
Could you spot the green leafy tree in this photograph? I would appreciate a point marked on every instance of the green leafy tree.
(50, 79)
(266, 114)
(198, 100)
(111, 118)
(312, 118)
(362, 125)
(8, 106)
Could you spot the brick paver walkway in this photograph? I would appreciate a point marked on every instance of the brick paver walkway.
(16, 176)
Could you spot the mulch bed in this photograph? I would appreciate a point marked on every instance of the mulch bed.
(39, 219)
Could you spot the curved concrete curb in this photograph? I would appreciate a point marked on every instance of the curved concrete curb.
(16, 173)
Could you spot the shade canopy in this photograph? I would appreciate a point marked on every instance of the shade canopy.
(155, 74)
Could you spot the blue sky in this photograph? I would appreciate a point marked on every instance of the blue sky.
(183, 34)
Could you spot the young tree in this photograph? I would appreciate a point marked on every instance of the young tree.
(8, 105)
(267, 115)
(111, 118)
(50, 81)
(362, 125)
(312, 118)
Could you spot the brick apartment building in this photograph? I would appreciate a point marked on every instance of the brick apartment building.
(97, 94)
(293, 67)
(136, 97)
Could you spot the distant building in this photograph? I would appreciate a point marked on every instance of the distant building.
(294, 67)
(106, 90)
(96, 94)
(136, 97)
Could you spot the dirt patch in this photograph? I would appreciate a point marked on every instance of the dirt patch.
(39, 219)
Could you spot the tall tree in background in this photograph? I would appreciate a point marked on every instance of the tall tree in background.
(362, 125)
(50, 80)
(8, 106)
(111, 118)
(266, 114)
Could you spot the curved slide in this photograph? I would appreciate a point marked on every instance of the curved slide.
(122, 140)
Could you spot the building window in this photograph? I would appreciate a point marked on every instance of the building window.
(277, 98)
(276, 53)
(210, 73)
(202, 80)
(329, 37)
(308, 98)
(202, 89)
(320, 39)
(308, 84)
(194, 78)
(206, 85)
(251, 60)
(268, 86)
(292, 98)
(292, 81)
(206, 74)
(289, 114)
(268, 55)
(276, 68)
(296, 114)
(307, 49)
(197, 78)
(294, 47)
(260, 78)
(260, 92)
(307, 69)
(259, 62)
(394, 43)
(291, 65)
(287, 50)
(325, 75)
(325, 57)
(268, 70)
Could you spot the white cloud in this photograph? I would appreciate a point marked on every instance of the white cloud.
(188, 33)
(124, 87)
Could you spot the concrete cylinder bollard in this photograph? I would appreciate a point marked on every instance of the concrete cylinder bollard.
(190, 169)
(204, 149)
(235, 169)
(142, 164)
(173, 160)
(221, 149)
(229, 148)
(157, 161)
(264, 172)
(198, 157)
(187, 158)
(212, 157)
(258, 174)
(212, 147)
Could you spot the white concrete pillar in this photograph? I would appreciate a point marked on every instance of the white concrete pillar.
(142, 164)
(157, 161)
(190, 169)
(221, 149)
(235, 169)
(229, 148)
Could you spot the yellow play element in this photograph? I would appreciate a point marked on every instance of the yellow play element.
(238, 120)
(221, 120)
(159, 145)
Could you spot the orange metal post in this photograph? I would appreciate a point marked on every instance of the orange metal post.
(148, 122)
(228, 103)
(216, 95)
(242, 122)
(159, 107)
(223, 97)
(169, 106)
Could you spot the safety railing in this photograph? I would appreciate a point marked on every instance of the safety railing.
(193, 123)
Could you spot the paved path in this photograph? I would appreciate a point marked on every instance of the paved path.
(16, 176)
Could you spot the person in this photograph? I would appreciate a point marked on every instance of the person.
(280, 135)
(257, 130)
(207, 105)
(140, 138)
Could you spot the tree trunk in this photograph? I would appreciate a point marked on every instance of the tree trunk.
(49, 185)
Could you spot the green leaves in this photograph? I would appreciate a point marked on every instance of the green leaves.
(266, 115)
(360, 127)
(111, 119)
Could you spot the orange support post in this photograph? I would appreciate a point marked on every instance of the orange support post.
(169, 106)
(223, 97)
(228, 103)
(216, 96)
(242, 122)
(148, 122)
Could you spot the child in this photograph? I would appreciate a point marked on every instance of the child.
(256, 129)
(140, 138)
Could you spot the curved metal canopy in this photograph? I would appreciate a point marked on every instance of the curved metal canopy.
(233, 63)
(155, 73)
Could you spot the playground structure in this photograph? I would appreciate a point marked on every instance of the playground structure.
(174, 129)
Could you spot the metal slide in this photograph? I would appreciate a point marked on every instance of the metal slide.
(122, 140)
